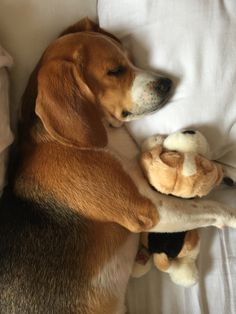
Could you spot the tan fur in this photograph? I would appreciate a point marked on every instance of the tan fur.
(164, 170)
(161, 261)
(85, 185)
(62, 149)
(190, 242)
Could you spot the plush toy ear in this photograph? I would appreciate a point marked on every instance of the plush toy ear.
(161, 261)
(86, 25)
(67, 115)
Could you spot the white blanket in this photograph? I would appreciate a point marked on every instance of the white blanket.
(195, 43)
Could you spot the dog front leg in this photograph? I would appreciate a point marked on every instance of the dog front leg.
(178, 214)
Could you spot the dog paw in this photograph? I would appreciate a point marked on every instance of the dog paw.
(144, 220)
(229, 220)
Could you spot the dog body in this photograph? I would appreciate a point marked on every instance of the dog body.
(77, 200)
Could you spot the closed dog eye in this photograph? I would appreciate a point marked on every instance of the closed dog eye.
(125, 113)
(118, 71)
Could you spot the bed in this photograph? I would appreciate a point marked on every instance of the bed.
(192, 41)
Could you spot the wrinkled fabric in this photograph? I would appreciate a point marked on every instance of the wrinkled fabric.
(194, 42)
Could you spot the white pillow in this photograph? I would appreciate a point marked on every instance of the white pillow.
(27, 27)
(194, 42)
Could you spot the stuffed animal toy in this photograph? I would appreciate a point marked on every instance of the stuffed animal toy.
(179, 165)
(173, 253)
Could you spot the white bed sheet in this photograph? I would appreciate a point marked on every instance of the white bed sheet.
(194, 42)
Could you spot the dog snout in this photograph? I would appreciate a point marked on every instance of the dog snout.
(163, 85)
(149, 93)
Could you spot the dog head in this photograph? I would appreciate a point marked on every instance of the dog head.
(86, 75)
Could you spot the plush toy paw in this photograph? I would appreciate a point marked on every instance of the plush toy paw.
(143, 263)
(184, 273)
(140, 270)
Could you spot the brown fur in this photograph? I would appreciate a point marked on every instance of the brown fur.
(69, 115)
(71, 198)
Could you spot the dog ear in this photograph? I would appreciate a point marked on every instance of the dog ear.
(66, 113)
(86, 25)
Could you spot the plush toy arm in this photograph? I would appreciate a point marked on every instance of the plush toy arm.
(182, 269)
(185, 175)
(152, 142)
(161, 168)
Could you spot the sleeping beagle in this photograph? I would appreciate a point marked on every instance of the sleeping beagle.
(77, 199)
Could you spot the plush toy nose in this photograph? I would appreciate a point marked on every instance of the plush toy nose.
(164, 85)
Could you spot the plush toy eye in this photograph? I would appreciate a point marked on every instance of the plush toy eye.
(117, 71)
(189, 132)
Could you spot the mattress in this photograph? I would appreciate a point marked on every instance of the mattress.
(193, 42)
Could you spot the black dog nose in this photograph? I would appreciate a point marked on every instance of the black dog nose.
(164, 85)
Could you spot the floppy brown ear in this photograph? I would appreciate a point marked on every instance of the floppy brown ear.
(87, 25)
(67, 115)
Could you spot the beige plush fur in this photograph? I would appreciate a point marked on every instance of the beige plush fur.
(181, 174)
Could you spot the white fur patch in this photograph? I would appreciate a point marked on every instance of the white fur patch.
(152, 142)
(144, 95)
(189, 165)
(183, 271)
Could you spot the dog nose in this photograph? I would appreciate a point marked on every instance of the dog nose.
(164, 85)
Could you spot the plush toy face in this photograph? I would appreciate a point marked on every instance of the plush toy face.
(181, 173)
(188, 141)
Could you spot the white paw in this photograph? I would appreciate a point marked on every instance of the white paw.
(230, 221)
(185, 274)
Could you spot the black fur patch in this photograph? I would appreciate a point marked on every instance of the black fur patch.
(168, 243)
(42, 257)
